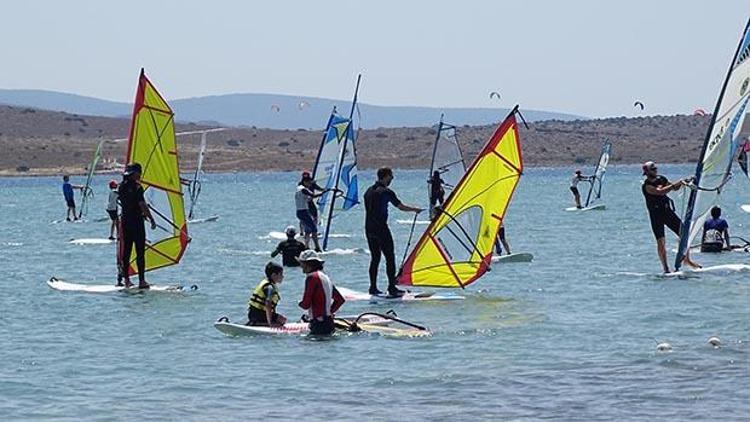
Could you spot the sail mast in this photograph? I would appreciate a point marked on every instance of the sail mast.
(337, 175)
(712, 142)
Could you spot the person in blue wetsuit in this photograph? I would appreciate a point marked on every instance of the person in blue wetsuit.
(379, 238)
(70, 201)
(715, 233)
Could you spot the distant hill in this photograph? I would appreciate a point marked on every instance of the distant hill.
(43, 142)
(271, 111)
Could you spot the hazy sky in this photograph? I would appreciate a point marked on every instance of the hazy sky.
(593, 58)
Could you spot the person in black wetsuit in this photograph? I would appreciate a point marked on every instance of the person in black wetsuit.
(132, 230)
(289, 248)
(661, 209)
(379, 238)
(437, 192)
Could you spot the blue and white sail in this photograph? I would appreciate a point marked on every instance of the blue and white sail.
(597, 180)
(336, 169)
(720, 147)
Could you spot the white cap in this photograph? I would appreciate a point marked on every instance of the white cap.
(290, 230)
(309, 255)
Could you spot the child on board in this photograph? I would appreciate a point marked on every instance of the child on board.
(321, 299)
(70, 201)
(261, 308)
(304, 201)
(578, 177)
(289, 248)
(715, 233)
(112, 209)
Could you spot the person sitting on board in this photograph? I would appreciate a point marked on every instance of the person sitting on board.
(379, 238)
(578, 177)
(112, 209)
(715, 233)
(289, 248)
(261, 308)
(437, 191)
(70, 201)
(132, 230)
(321, 299)
(660, 208)
(501, 241)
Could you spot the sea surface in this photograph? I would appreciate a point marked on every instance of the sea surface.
(570, 336)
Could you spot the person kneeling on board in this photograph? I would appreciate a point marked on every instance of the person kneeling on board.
(321, 299)
(661, 210)
(578, 177)
(132, 230)
(715, 233)
(261, 308)
(289, 248)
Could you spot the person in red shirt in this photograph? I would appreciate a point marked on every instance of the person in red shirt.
(321, 299)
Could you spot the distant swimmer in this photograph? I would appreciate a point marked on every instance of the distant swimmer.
(715, 233)
(501, 242)
(132, 230)
(578, 177)
(261, 308)
(320, 299)
(661, 209)
(112, 209)
(379, 238)
(70, 201)
(437, 191)
(289, 248)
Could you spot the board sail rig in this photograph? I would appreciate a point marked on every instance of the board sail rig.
(87, 193)
(447, 160)
(456, 248)
(153, 145)
(720, 146)
(335, 168)
(597, 178)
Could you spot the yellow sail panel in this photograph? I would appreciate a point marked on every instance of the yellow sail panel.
(456, 248)
(152, 144)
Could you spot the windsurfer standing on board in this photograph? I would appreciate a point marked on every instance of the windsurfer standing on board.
(661, 209)
(304, 201)
(437, 191)
(132, 230)
(67, 189)
(578, 177)
(379, 238)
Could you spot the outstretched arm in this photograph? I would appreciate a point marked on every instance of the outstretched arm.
(407, 208)
(663, 190)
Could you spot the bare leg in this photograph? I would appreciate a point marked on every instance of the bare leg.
(315, 241)
(661, 250)
(689, 261)
(578, 200)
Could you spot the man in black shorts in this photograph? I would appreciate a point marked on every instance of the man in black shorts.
(379, 238)
(661, 209)
(132, 230)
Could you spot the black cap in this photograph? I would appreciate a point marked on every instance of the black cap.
(131, 169)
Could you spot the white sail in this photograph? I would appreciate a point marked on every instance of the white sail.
(597, 179)
(447, 158)
(720, 147)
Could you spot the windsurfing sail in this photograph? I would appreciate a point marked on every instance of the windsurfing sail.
(720, 146)
(87, 193)
(152, 144)
(336, 168)
(456, 248)
(194, 186)
(447, 158)
(598, 177)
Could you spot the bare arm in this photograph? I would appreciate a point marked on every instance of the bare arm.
(663, 190)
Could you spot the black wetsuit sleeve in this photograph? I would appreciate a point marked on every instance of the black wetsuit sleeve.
(392, 198)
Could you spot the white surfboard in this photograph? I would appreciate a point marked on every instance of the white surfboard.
(745, 207)
(205, 220)
(512, 258)
(340, 251)
(418, 222)
(290, 328)
(597, 207)
(91, 241)
(355, 296)
(65, 286)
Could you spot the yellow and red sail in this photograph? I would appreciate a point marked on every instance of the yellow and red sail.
(153, 145)
(456, 248)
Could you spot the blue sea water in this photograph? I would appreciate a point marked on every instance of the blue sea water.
(570, 336)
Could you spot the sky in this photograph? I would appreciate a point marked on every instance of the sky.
(586, 57)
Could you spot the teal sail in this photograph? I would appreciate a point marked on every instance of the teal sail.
(87, 193)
